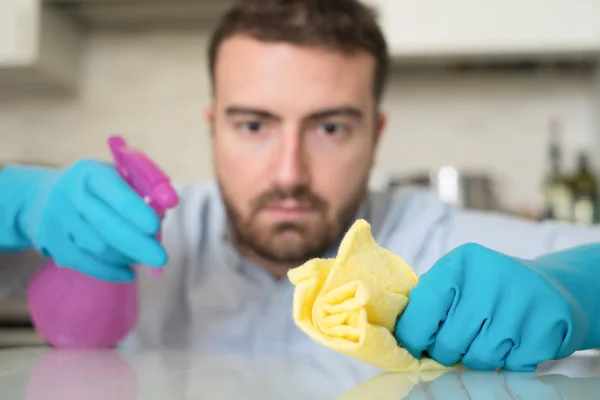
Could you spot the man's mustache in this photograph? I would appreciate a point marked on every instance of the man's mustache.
(300, 194)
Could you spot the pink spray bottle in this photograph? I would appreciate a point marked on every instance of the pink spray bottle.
(72, 310)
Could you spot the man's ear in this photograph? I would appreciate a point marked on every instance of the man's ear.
(209, 116)
(380, 125)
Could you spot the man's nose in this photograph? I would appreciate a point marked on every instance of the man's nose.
(291, 168)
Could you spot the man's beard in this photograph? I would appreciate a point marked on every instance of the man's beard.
(265, 241)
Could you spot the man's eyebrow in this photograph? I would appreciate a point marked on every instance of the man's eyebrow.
(238, 110)
(336, 112)
(316, 115)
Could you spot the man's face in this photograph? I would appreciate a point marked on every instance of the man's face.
(294, 136)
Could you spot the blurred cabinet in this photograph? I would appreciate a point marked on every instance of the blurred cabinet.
(490, 28)
(18, 23)
(16, 270)
(39, 47)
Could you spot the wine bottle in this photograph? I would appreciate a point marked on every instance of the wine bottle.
(584, 187)
(557, 193)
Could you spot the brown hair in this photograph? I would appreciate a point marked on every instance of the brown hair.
(342, 25)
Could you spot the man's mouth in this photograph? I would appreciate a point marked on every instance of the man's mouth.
(288, 209)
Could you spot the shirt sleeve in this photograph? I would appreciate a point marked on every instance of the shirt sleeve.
(424, 229)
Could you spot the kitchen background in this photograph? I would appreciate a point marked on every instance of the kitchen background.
(476, 85)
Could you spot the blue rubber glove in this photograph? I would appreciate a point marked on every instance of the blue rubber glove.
(85, 217)
(488, 310)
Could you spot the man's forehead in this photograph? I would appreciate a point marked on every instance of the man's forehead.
(248, 67)
(244, 49)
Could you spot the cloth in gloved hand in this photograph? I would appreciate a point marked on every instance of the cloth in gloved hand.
(84, 217)
(350, 304)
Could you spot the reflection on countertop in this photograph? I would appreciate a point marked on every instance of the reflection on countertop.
(42, 374)
(577, 377)
(475, 385)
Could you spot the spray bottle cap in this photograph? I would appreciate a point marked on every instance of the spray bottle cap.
(145, 177)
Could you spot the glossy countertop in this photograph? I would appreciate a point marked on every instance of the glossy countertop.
(46, 374)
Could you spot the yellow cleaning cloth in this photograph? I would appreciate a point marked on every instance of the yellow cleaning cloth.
(350, 304)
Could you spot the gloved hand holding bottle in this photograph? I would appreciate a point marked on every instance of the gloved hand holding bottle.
(488, 310)
(84, 217)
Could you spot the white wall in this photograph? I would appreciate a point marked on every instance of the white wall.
(492, 123)
(153, 88)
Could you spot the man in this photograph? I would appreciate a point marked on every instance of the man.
(295, 124)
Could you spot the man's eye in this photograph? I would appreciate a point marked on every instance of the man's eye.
(251, 126)
(331, 129)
